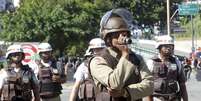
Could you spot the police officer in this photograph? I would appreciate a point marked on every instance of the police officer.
(17, 80)
(169, 78)
(119, 73)
(82, 75)
(49, 75)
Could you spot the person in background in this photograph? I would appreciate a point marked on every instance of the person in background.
(17, 81)
(82, 73)
(169, 78)
(187, 67)
(50, 75)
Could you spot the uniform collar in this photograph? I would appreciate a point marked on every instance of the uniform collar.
(172, 56)
(48, 64)
(16, 69)
(112, 52)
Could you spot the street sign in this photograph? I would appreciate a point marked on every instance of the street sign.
(188, 9)
(2, 5)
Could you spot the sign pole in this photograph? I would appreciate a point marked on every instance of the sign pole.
(190, 9)
(168, 17)
(193, 34)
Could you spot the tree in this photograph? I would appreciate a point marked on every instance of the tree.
(60, 22)
(68, 25)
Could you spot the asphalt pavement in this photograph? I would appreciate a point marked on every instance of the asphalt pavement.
(193, 86)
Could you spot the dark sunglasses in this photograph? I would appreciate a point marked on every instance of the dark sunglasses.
(15, 54)
(47, 52)
(168, 46)
(116, 34)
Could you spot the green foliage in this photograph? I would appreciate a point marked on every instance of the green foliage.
(188, 26)
(59, 22)
(68, 25)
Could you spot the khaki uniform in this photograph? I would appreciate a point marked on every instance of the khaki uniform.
(123, 75)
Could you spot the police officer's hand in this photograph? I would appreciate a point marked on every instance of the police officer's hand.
(119, 43)
(56, 78)
(116, 93)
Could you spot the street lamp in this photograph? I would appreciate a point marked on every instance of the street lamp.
(168, 17)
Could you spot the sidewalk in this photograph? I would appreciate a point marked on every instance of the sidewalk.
(183, 46)
(186, 45)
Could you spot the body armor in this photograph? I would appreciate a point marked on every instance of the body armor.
(166, 78)
(87, 90)
(17, 85)
(48, 87)
(102, 93)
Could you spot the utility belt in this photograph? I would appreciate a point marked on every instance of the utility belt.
(87, 90)
(10, 92)
(168, 87)
(48, 95)
(168, 97)
(23, 95)
(171, 92)
(103, 95)
(49, 90)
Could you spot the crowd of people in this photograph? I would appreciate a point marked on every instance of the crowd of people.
(110, 70)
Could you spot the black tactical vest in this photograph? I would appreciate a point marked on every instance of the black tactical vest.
(102, 94)
(18, 85)
(165, 77)
(48, 88)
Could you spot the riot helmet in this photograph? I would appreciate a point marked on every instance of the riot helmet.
(164, 40)
(15, 54)
(96, 43)
(44, 50)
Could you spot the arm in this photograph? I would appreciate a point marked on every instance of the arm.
(63, 74)
(2, 75)
(74, 91)
(66, 68)
(35, 87)
(150, 67)
(182, 85)
(79, 74)
(113, 78)
(184, 93)
(150, 98)
(143, 88)
(61, 77)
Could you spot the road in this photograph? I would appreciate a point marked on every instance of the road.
(193, 87)
(67, 87)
